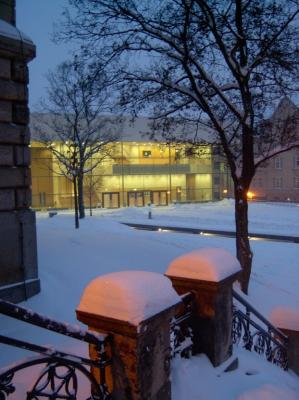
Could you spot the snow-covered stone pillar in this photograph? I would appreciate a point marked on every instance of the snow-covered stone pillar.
(135, 307)
(287, 320)
(209, 274)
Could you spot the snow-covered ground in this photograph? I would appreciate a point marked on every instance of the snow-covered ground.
(69, 259)
(275, 218)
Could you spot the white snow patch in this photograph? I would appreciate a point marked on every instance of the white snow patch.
(285, 317)
(208, 264)
(197, 379)
(131, 296)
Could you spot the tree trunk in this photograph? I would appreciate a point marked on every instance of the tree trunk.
(76, 202)
(81, 197)
(244, 253)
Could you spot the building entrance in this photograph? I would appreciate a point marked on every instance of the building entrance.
(141, 198)
(110, 200)
(160, 197)
(137, 198)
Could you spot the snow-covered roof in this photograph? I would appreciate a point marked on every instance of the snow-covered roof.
(139, 129)
(130, 296)
(128, 129)
(208, 264)
(12, 32)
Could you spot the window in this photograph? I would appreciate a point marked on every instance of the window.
(296, 161)
(216, 195)
(217, 165)
(277, 182)
(216, 180)
(278, 163)
(296, 182)
(147, 153)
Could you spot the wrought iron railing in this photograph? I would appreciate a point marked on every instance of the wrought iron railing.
(181, 335)
(256, 333)
(62, 373)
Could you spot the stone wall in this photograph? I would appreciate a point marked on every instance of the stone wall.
(18, 252)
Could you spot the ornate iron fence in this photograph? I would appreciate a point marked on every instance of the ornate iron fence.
(181, 335)
(257, 333)
(62, 372)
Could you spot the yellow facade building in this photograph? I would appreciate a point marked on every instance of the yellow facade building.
(137, 172)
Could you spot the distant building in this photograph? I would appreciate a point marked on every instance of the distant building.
(278, 178)
(140, 171)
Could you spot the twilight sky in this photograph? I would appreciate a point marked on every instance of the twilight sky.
(36, 18)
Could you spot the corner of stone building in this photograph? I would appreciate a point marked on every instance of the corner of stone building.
(18, 248)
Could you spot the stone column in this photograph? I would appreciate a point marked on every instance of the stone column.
(18, 253)
(135, 307)
(209, 275)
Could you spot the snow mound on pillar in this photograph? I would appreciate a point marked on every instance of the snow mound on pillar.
(285, 318)
(269, 392)
(131, 296)
(209, 264)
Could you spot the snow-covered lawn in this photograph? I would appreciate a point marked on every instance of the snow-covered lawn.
(69, 259)
(275, 218)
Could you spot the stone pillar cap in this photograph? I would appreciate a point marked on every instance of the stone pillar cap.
(10, 31)
(285, 318)
(130, 296)
(208, 264)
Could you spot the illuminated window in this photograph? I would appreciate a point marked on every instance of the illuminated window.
(147, 153)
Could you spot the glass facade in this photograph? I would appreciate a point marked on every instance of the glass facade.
(134, 174)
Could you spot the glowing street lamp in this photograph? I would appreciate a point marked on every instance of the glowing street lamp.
(250, 195)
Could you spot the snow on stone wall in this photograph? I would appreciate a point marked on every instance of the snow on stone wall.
(12, 32)
(208, 264)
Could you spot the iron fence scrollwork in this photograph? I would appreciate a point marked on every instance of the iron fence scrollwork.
(257, 333)
(62, 373)
(181, 334)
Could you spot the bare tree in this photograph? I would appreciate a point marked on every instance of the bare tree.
(73, 124)
(91, 183)
(223, 62)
